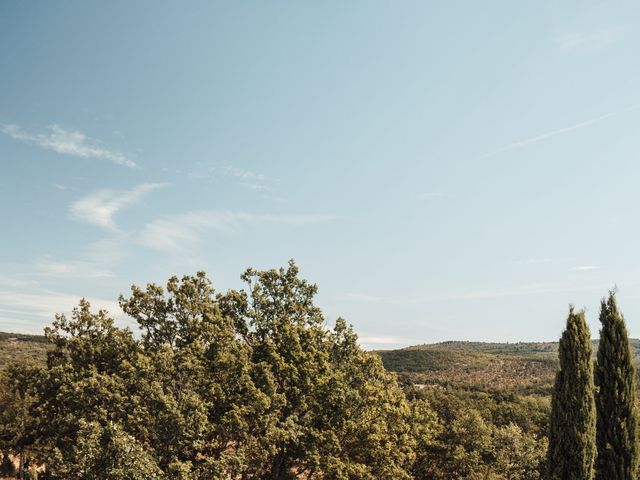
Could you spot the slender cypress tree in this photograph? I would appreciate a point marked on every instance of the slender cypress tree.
(617, 417)
(572, 425)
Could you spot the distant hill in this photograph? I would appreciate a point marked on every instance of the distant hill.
(15, 347)
(527, 367)
(518, 348)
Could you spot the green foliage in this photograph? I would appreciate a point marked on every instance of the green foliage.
(251, 384)
(464, 436)
(17, 398)
(246, 384)
(471, 369)
(334, 411)
(82, 379)
(573, 417)
(431, 360)
(518, 455)
(617, 417)
(103, 452)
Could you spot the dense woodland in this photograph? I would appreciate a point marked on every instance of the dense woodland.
(251, 384)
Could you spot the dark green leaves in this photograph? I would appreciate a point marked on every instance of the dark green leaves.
(572, 425)
(617, 420)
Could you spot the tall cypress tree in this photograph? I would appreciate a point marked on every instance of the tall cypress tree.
(617, 417)
(573, 416)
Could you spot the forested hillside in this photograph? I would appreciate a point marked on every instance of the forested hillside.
(527, 367)
(15, 347)
(526, 349)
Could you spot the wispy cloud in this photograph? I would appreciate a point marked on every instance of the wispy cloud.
(48, 267)
(257, 186)
(585, 268)
(560, 131)
(31, 310)
(244, 174)
(474, 295)
(67, 142)
(6, 281)
(111, 250)
(100, 207)
(383, 341)
(249, 179)
(178, 232)
(589, 42)
(526, 290)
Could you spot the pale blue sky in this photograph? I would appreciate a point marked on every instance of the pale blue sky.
(443, 170)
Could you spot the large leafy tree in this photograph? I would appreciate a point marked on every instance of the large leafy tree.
(334, 412)
(573, 417)
(198, 405)
(83, 379)
(617, 417)
(245, 384)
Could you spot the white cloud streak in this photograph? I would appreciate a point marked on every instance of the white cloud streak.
(475, 295)
(560, 131)
(32, 310)
(252, 180)
(6, 281)
(47, 267)
(257, 186)
(585, 268)
(177, 232)
(246, 175)
(100, 207)
(67, 142)
(382, 340)
(591, 42)
(526, 290)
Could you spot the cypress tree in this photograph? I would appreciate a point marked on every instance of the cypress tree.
(616, 437)
(573, 417)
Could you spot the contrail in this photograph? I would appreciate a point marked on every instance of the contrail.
(560, 131)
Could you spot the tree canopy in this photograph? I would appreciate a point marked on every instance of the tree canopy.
(242, 384)
(617, 417)
(573, 416)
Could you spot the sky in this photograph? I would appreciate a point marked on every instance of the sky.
(441, 170)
